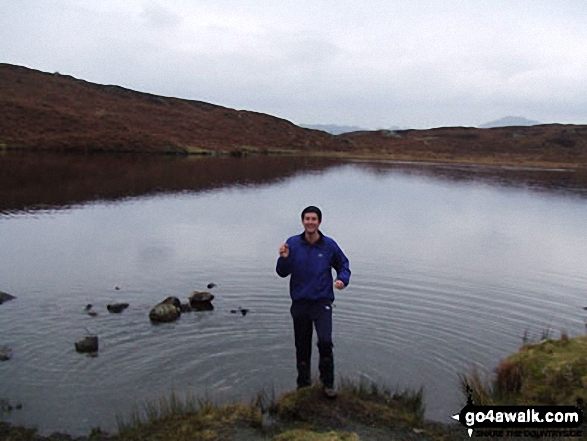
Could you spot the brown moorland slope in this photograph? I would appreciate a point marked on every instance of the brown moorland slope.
(43, 111)
(58, 112)
(548, 145)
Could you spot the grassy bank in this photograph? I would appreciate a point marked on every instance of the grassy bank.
(549, 372)
(362, 411)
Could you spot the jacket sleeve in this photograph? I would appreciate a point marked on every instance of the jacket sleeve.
(340, 263)
(284, 266)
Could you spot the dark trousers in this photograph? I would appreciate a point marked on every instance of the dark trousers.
(307, 315)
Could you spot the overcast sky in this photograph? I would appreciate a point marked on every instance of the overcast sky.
(374, 64)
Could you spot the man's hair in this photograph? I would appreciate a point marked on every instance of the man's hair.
(312, 209)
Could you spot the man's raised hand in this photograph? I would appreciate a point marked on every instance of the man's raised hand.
(284, 251)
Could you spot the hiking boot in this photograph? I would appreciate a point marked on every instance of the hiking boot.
(330, 393)
(304, 379)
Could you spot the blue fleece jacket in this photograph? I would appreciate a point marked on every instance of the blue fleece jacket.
(310, 267)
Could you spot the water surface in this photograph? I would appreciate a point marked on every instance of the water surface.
(450, 269)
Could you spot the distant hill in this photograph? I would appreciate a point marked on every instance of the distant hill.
(334, 129)
(44, 111)
(509, 121)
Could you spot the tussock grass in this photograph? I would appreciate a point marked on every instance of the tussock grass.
(479, 384)
(363, 402)
(549, 372)
(193, 419)
(168, 408)
(363, 410)
(296, 415)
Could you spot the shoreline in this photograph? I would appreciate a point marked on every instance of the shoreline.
(517, 163)
(362, 411)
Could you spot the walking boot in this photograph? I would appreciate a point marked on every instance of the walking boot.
(304, 378)
(326, 368)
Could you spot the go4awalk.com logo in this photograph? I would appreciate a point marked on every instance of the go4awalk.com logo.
(517, 421)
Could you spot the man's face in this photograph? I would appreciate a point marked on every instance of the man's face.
(311, 222)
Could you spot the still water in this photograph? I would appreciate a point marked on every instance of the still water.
(450, 270)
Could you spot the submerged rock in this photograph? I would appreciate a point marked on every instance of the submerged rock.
(243, 311)
(87, 344)
(117, 308)
(5, 353)
(5, 297)
(168, 310)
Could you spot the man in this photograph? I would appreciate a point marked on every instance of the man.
(309, 259)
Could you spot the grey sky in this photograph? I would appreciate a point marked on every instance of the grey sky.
(409, 63)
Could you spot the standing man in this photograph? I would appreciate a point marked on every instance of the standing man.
(309, 259)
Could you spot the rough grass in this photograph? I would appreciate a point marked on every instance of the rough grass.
(549, 372)
(194, 150)
(191, 418)
(361, 402)
(363, 411)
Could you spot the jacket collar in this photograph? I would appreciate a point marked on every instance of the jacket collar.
(319, 241)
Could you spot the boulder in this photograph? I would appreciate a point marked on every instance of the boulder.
(201, 301)
(87, 344)
(172, 301)
(116, 308)
(5, 297)
(168, 310)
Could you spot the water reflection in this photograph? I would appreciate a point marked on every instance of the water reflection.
(49, 181)
(562, 181)
(30, 182)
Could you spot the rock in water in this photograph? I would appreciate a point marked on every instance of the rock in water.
(116, 308)
(172, 301)
(5, 297)
(203, 306)
(168, 310)
(201, 296)
(201, 301)
(87, 344)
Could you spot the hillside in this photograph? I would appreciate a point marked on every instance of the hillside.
(57, 112)
(42, 111)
